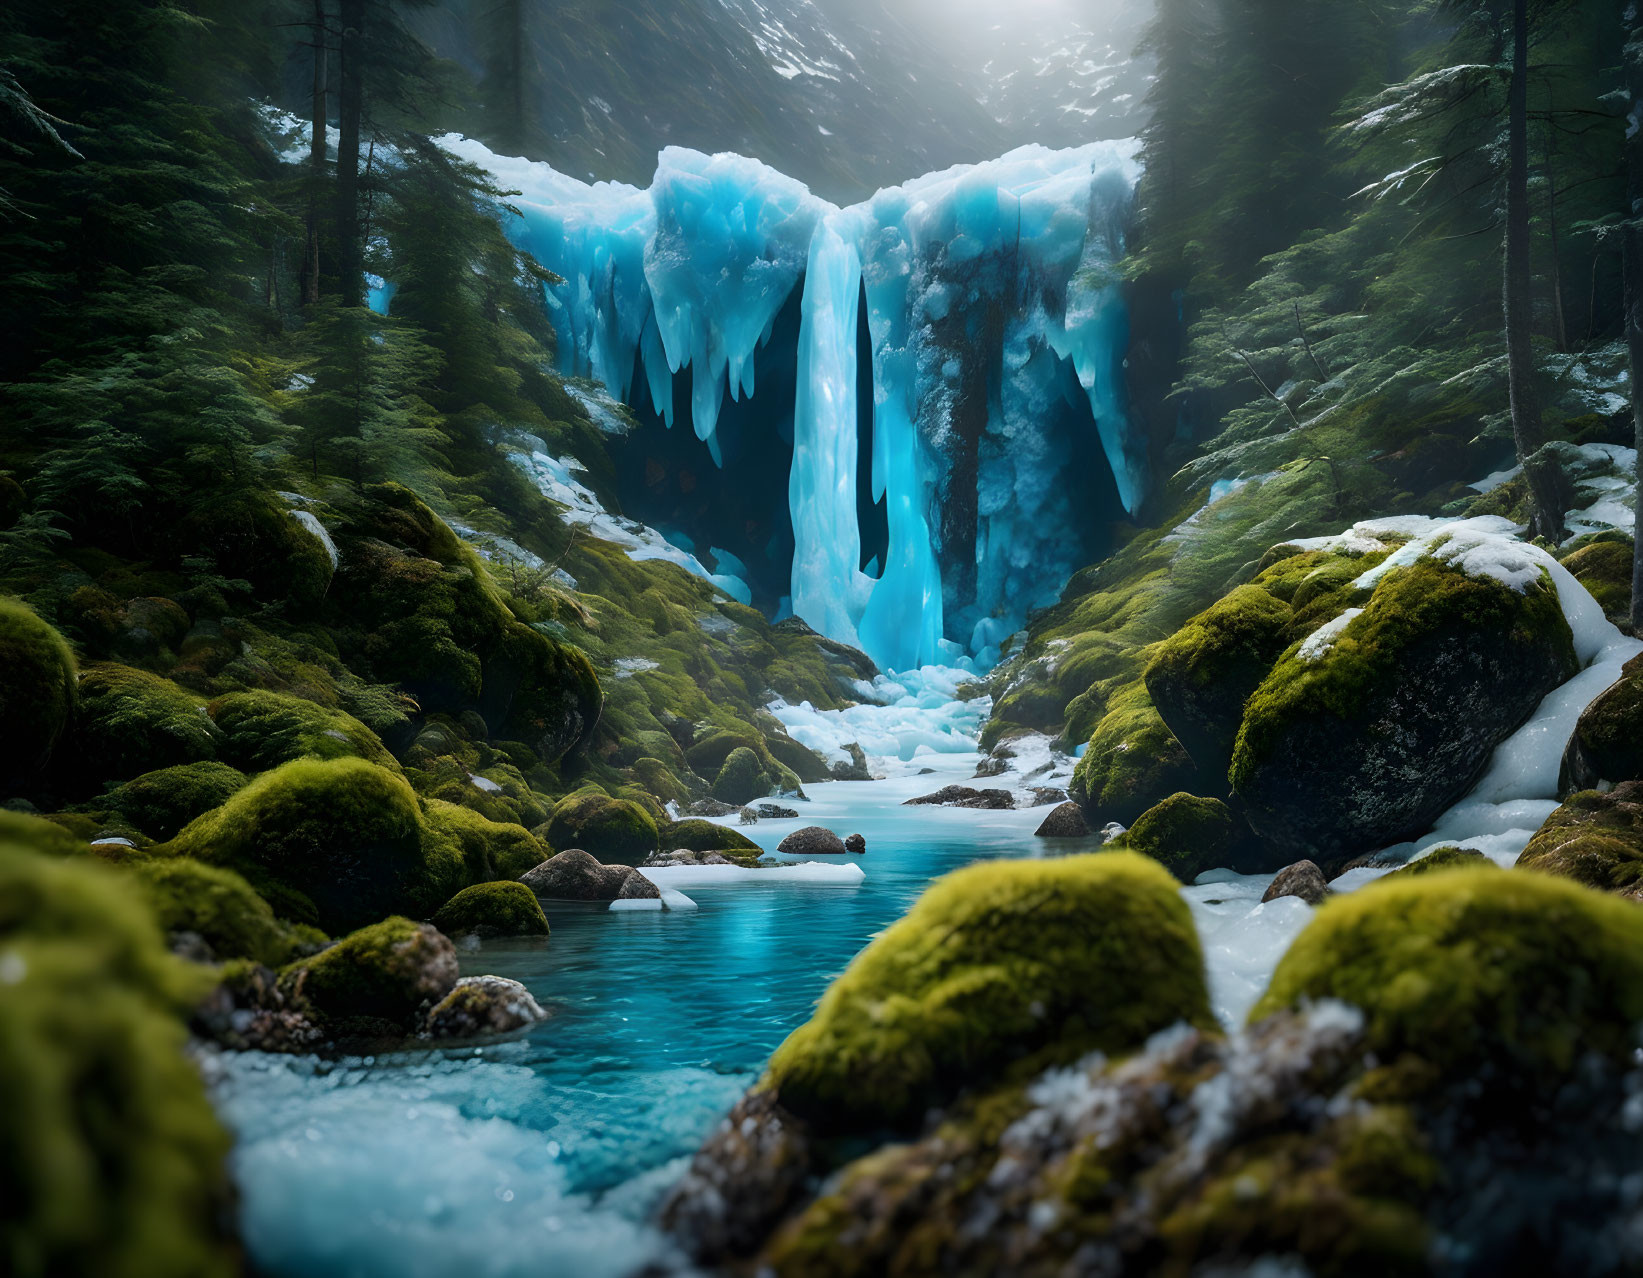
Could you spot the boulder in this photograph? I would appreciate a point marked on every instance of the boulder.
(742, 778)
(382, 975)
(616, 829)
(1439, 859)
(162, 802)
(994, 962)
(1065, 821)
(711, 808)
(812, 840)
(1133, 761)
(37, 690)
(1607, 743)
(1595, 839)
(965, 796)
(636, 887)
(1363, 733)
(1044, 795)
(482, 1006)
(707, 836)
(508, 908)
(855, 843)
(575, 875)
(1303, 879)
(774, 812)
(1187, 834)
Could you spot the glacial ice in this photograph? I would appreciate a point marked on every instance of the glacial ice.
(990, 297)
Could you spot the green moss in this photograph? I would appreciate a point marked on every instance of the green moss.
(1608, 737)
(1595, 839)
(344, 833)
(38, 834)
(1519, 973)
(1184, 833)
(162, 802)
(252, 536)
(37, 678)
(385, 972)
(261, 730)
(799, 759)
(493, 909)
(1410, 606)
(112, 1158)
(742, 778)
(1200, 677)
(219, 906)
(1439, 859)
(993, 962)
(1603, 565)
(486, 849)
(130, 722)
(708, 836)
(708, 755)
(1133, 761)
(611, 829)
(659, 780)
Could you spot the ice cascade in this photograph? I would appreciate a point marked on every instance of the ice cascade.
(991, 304)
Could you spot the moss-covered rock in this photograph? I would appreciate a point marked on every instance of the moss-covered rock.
(1186, 834)
(1133, 761)
(611, 829)
(1200, 677)
(39, 834)
(112, 1158)
(1595, 839)
(130, 722)
(489, 849)
(1440, 859)
(421, 610)
(992, 963)
(220, 908)
(1607, 743)
(252, 536)
(1603, 564)
(261, 730)
(387, 975)
(37, 679)
(1360, 737)
(492, 909)
(162, 802)
(343, 834)
(742, 778)
(698, 835)
(1479, 973)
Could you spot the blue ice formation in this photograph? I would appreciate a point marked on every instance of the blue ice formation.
(991, 303)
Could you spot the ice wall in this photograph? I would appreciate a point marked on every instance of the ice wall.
(991, 302)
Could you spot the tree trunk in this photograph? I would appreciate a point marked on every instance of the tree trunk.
(1558, 316)
(350, 251)
(316, 154)
(1631, 275)
(1547, 500)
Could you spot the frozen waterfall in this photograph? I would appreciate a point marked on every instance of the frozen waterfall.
(997, 333)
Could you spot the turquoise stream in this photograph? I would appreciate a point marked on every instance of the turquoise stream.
(546, 1154)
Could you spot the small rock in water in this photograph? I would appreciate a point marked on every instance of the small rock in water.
(747, 816)
(925, 772)
(965, 796)
(1303, 879)
(711, 808)
(683, 856)
(1043, 795)
(483, 1005)
(1065, 821)
(774, 812)
(812, 840)
(855, 843)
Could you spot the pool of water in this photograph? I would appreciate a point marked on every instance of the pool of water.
(546, 1154)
